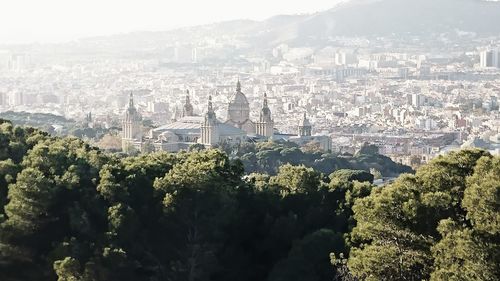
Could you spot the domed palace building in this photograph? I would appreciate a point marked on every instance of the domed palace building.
(209, 131)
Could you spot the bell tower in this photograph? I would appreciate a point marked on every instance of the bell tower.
(304, 128)
(187, 110)
(131, 126)
(210, 127)
(265, 125)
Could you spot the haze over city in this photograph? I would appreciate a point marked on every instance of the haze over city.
(28, 21)
(354, 140)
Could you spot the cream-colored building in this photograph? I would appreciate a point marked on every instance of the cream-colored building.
(209, 131)
(238, 112)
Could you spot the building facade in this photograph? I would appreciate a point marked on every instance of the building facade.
(490, 58)
(238, 111)
(207, 130)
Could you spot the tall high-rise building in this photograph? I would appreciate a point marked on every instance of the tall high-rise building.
(19, 62)
(5, 60)
(416, 100)
(490, 58)
(16, 98)
(3, 99)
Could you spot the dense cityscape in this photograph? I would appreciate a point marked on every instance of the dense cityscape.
(413, 101)
(344, 140)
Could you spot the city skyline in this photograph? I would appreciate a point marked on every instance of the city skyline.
(229, 140)
(369, 71)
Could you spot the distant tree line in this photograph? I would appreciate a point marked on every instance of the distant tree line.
(56, 125)
(268, 157)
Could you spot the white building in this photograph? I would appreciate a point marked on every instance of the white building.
(209, 131)
(490, 58)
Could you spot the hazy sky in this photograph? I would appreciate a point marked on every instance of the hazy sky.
(24, 21)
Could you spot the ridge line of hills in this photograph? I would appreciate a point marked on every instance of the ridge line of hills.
(349, 19)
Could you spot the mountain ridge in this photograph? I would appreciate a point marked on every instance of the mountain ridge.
(355, 18)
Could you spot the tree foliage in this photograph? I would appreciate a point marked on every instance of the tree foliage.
(268, 157)
(270, 211)
(439, 224)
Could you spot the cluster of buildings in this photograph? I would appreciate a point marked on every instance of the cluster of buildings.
(14, 61)
(413, 99)
(209, 131)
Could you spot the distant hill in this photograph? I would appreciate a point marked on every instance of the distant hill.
(37, 120)
(351, 18)
(384, 17)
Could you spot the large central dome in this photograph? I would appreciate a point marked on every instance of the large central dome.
(239, 97)
(238, 110)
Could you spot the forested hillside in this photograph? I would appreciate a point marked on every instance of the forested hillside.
(55, 125)
(268, 157)
(68, 211)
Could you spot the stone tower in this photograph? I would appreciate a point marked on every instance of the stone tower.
(305, 128)
(210, 127)
(187, 110)
(265, 125)
(131, 126)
